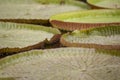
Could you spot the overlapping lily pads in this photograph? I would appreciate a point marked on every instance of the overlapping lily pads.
(79, 20)
(103, 38)
(104, 3)
(62, 63)
(92, 52)
(36, 11)
(14, 37)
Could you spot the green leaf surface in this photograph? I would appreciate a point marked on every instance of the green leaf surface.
(62, 63)
(13, 35)
(36, 10)
(79, 20)
(108, 36)
(89, 16)
(105, 3)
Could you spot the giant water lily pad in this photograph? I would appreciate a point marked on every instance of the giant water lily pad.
(103, 37)
(85, 19)
(104, 3)
(36, 11)
(62, 64)
(14, 35)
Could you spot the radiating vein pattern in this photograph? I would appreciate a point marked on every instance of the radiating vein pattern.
(62, 64)
(22, 35)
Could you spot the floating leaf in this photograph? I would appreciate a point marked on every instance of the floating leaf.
(26, 36)
(36, 11)
(79, 20)
(62, 63)
(104, 3)
(103, 37)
